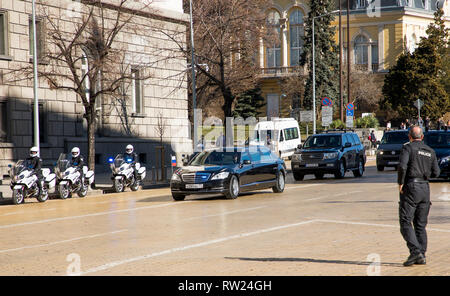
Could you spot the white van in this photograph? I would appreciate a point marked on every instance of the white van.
(281, 135)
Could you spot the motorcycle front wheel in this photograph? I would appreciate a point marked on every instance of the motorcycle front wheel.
(83, 190)
(44, 196)
(18, 196)
(64, 191)
(118, 185)
(135, 185)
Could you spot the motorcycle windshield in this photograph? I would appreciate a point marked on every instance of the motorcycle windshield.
(63, 162)
(20, 166)
(119, 160)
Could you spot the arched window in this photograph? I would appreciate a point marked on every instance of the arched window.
(296, 33)
(362, 53)
(274, 49)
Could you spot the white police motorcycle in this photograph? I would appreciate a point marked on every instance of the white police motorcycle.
(123, 174)
(24, 182)
(69, 178)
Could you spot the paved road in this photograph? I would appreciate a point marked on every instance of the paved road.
(316, 227)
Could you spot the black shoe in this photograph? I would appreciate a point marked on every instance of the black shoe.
(412, 259)
(421, 261)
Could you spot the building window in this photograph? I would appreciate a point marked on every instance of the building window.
(361, 3)
(296, 33)
(274, 50)
(39, 37)
(3, 121)
(361, 50)
(136, 91)
(3, 34)
(42, 124)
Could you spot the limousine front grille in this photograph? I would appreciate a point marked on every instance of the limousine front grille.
(195, 177)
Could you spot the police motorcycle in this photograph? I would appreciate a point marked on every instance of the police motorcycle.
(69, 178)
(24, 182)
(123, 173)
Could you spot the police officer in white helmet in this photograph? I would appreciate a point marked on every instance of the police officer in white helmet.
(77, 161)
(131, 157)
(35, 163)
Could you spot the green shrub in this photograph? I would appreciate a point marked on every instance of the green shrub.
(367, 122)
(337, 124)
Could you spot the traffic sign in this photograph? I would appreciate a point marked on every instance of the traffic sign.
(418, 104)
(350, 109)
(327, 115)
(306, 116)
(327, 102)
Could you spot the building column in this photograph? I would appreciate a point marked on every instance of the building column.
(369, 57)
(380, 47)
(261, 53)
(284, 43)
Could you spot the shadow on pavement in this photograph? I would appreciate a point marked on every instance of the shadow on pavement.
(314, 261)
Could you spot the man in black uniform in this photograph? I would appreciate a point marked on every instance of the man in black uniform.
(78, 162)
(35, 163)
(131, 157)
(417, 164)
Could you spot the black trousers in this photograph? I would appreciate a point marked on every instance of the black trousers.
(414, 207)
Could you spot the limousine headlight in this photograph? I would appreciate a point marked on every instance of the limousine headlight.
(175, 177)
(220, 176)
(331, 155)
(380, 152)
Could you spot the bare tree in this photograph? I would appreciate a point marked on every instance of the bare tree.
(227, 36)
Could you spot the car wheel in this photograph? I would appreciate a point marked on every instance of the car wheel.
(298, 176)
(233, 188)
(279, 187)
(360, 171)
(340, 173)
(319, 176)
(178, 197)
(380, 168)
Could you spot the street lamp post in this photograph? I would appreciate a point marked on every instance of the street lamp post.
(314, 65)
(35, 87)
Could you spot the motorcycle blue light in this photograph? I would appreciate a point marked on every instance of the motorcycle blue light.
(110, 160)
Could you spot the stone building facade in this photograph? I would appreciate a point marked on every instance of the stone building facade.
(134, 121)
(380, 31)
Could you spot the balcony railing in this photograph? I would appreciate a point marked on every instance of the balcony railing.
(365, 67)
(281, 71)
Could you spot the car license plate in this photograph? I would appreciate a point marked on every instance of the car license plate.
(312, 165)
(194, 186)
(393, 162)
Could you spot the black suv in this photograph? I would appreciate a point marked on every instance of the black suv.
(333, 152)
(390, 146)
(440, 142)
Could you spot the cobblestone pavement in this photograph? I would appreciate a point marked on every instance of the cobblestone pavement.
(315, 227)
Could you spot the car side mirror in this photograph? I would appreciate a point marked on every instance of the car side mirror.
(300, 146)
(378, 142)
(348, 145)
(246, 161)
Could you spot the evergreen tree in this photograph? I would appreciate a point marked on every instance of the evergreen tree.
(249, 103)
(326, 54)
(421, 75)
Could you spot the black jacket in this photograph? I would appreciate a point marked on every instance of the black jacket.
(417, 160)
(133, 156)
(35, 163)
(77, 162)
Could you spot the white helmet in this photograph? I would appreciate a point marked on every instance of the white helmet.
(75, 152)
(34, 151)
(129, 148)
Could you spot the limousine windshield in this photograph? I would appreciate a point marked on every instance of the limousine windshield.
(323, 142)
(215, 158)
